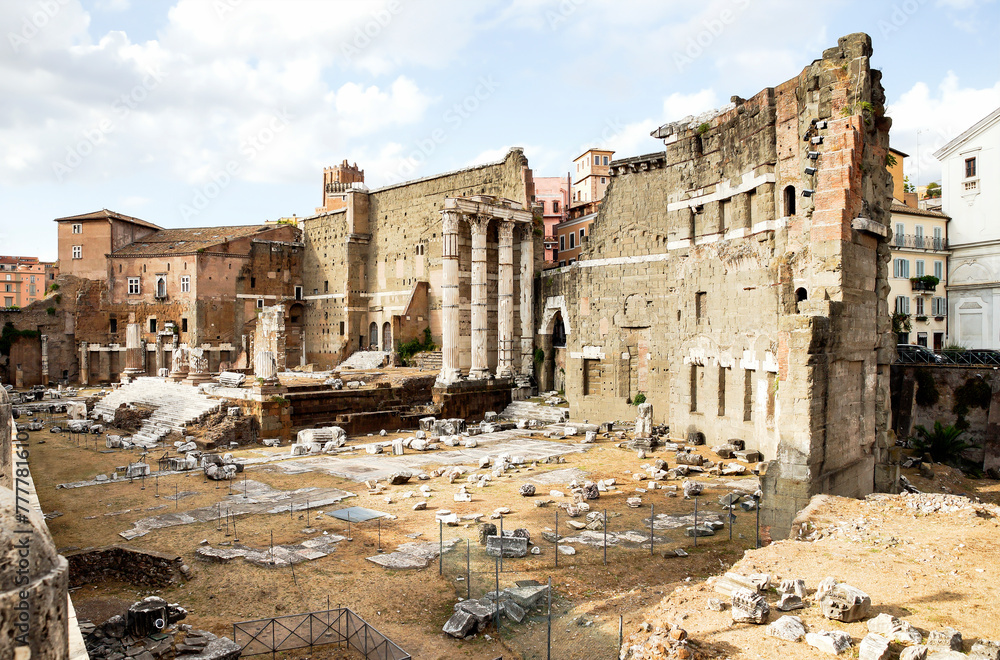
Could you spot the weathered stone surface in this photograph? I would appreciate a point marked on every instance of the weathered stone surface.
(794, 586)
(400, 478)
(527, 596)
(509, 546)
(789, 602)
(788, 628)
(895, 629)
(944, 639)
(527, 490)
(913, 653)
(845, 603)
(985, 649)
(749, 607)
(513, 611)
(486, 530)
(460, 624)
(874, 647)
(833, 642)
(591, 492)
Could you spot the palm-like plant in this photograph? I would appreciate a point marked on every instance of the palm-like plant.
(944, 443)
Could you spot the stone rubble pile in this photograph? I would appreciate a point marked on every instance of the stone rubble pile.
(513, 603)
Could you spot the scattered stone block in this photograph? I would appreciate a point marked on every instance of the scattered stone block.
(460, 624)
(845, 603)
(874, 647)
(914, 653)
(567, 550)
(512, 611)
(696, 438)
(788, 628)
(794, 586)
(833, 642)
(895, 629)
(727, 584)
(715, 605)
(401, 477)
(693, 488)
(947, 639)
(747, 456)
(749, 607)
(789, 602)
(506, 546)
(985, 649)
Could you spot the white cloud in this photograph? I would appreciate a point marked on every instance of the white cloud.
(678, 106)
(113, 5)
(932, 118)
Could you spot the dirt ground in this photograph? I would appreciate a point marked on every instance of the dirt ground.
(929, 559)
(411, 606)
(408, 606)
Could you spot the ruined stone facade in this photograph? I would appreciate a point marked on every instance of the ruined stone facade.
(738, 281)
(372, 271)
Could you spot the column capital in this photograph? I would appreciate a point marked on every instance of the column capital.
(450, 221)
(478, 223)
(506, 231)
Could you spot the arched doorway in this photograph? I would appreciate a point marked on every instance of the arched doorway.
(387, 336)
(373, 336)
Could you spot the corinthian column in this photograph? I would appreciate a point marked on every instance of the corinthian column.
(480, 360)
(505, 300)
(449, 299)
(527, 299)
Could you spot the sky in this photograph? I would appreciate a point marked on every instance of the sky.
(225, 112)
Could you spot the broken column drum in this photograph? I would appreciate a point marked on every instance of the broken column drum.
(135, 365)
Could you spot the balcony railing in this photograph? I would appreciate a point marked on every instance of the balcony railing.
(922, 285)
(919, 242)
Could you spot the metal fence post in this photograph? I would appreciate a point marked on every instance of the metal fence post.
(756, 499)
(496, 600)
(501, 542)
(557, 537)
(468, 569)
(440, 548)
(605, 537)
(621, 630)
(651, 519)
(548, 643)
(730, 517)
(696, 521)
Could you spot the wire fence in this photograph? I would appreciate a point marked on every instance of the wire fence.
(662, 531)
(338, 626)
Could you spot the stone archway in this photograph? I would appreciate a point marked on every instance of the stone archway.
(387, 336)
(372, 336)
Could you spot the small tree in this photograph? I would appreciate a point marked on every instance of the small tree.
(944, 443)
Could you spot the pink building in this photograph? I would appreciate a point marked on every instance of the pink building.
(552, 194)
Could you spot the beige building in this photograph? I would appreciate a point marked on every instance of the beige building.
(85, 240)
(919, 270)
(591, 175)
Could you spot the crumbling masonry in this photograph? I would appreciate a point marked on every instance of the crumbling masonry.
(738, 280)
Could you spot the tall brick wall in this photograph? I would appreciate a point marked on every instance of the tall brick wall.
(735, 314)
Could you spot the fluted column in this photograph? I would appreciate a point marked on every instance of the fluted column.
(527, 299)
(480, 359)
(449, 299)
(505, 300)
(134, 362)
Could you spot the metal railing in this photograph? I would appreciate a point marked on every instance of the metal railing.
(298, 631)
(919, 242)
(950, 358)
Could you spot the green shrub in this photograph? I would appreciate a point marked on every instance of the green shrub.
(408, 349)
(639, 398)
(944, 443)
(51, 311)
(927, 393)
(539, 356)
(10, 334)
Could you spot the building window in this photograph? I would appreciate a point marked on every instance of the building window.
(938, 242)
(604, 179)
(919, 306)
(970, 168)
(32, 279)
(901, 268)
(571, 262)
(77, 229)
(555, 207)
(8, 302)
(260, 303)
(184, 325)
(326, 286)
(597, 160)
(922, 339)
(185, 283)
(582, 234)
(133, 286)
(7, 288)
(562, 242)
(900, 234)
(722, 391)
(78, 252)
(562, 263)
(298, 293)
(939, 306)
(902, 305)
(939, 270)
(700, 305)
(113, 325)
(920, 267)
(152, 325)
(253, 282)
(747, 395)
(694, 388)
(789, 201)
(572, 240)
(341, 328)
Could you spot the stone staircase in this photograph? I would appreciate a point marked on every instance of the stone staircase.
(427, 360)
(541, 411)
(365, 360)
(175, 406)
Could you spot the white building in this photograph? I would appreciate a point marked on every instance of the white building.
(970, 192)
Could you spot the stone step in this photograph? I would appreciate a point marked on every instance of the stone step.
(541, 412)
